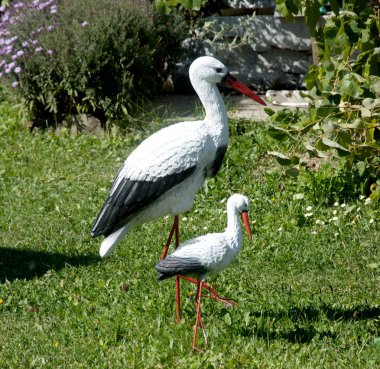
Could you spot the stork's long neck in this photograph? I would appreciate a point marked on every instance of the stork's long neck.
(234, 225)
(216, 114)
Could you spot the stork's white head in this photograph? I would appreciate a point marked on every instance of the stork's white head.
(240, 203)
(208, 69)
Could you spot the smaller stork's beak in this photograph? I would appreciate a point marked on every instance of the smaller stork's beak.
(241, 87)
(245, 218)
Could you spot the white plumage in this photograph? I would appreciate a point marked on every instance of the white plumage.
(207, 254)
(212, 252)
(163, 174)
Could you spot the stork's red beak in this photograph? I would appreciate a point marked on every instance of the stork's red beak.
(245, 218)
(241, 87)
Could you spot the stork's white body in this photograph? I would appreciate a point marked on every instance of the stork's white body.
(163, 174)
(181, 146)
(210, 253)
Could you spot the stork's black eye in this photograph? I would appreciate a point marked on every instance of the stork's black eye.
(218, 70)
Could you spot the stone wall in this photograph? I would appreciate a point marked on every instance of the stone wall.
(276, 55)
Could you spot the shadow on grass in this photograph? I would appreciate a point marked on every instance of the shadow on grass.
(27, 264)
(302, 325)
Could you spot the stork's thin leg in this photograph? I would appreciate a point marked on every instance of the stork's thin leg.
(174, 229)
(213, 295)
(198, 317)
(177, 281)
(202, 325)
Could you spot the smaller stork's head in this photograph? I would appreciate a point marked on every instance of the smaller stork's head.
(240, 203)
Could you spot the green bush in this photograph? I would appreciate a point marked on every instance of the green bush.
(84, 56)
(343, 90)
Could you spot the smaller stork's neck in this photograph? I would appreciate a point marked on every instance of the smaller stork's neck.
(233, 224)
(213, 104)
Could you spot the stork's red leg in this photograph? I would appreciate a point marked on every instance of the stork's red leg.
(177, 281)
(175, 231)
(172, 231)
(213, 295)
(198, 317)
(202, 325)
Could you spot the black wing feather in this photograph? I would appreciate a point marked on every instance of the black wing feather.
(173, 265)
(218, 160)
(131, 196)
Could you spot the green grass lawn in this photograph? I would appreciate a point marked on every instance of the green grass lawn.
(307, 286)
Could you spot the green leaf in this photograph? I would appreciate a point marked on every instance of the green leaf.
(269, 111)
(375, 85)
(227, 318)
(368, 102)
(288, 8)
(277, 132)
(372, 66)
(334, 145)
(281, 158)
(364, 151)
(365, 112)
(197, 4)
(312, 14)
(292, 172)
(350, 86)
(361, 166)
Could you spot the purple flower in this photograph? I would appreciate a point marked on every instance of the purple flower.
(50, 52)
(25, 44)
(20, 53)
(84, 24)
(18, 70)
(53, 10)
(38, 49)
(18, 5)
(49, 28)
(11, 65)
(14, 84)
(2, 8)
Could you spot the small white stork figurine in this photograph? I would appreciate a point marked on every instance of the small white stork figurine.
(163, 174)
(208, 254)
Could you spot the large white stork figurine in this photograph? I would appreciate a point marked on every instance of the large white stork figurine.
(163, 174)
(208, 254)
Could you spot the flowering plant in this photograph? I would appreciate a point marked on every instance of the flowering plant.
(84, 56)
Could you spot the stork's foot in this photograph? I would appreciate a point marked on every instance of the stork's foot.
(228, 302)
(213, 295)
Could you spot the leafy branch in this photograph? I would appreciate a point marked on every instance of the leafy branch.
(343, 90)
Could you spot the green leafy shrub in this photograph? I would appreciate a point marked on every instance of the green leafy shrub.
(84, 56)
(344, 92)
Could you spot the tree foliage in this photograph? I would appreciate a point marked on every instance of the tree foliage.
(344, 89)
